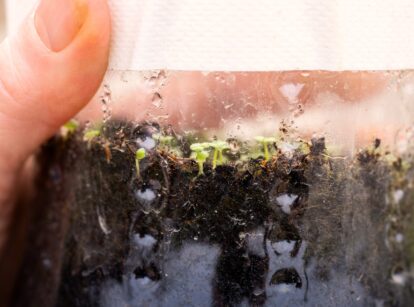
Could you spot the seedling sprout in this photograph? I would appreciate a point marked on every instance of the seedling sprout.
(91, 134)
(265, 141)
(201, 155)
(218, 146)
(140, 154)
(69, 128)
(164, 140)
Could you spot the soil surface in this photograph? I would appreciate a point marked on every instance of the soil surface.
(302, 229)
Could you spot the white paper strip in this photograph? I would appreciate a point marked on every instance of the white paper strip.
(259, 35)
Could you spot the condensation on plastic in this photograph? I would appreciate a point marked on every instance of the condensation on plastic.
(349, 109)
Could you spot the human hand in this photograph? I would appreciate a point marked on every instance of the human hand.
(49, 70)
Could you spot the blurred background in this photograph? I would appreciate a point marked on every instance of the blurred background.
(2, 20)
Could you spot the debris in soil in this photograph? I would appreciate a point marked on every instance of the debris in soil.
(158, 218)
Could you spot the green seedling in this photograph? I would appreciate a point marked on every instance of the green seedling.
(200, 146)
(91, 134)
(218, 146)
(265, 141)
(201, 154)
(69, 128)
(140, 154)
(164, 140)
(168, 143)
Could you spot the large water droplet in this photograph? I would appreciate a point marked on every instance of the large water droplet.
(291, 92)
(285, 201)
(283, 247)
(145, 241)
(147, 143)
(146, 196)
(255, 242)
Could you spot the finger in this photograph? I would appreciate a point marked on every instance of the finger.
(48, 71)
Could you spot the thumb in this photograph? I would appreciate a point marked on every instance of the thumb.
(48, 71)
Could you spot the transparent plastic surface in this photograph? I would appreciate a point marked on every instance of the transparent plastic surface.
(349, 109)
(236, 189)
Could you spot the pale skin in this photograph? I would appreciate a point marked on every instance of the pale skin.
(53, 66)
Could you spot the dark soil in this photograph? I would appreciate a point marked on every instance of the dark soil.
(172, 238)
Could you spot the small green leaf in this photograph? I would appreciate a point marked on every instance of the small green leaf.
(156, 136)
(91, 134)
(270, 140)
(219, 145)
(196, 147)
(166, 139)
(202, 156)
(140, 154)
(200, 146)
(71, 126)
(163, 139)
(260, 139)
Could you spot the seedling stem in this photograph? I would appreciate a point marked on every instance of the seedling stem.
(265, 141)
(139, 155)
(201, 155)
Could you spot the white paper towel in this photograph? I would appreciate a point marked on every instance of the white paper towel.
(257, 35)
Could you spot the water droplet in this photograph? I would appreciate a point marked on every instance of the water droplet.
(298, 110)
(254, 242)
(157, 100)
(285, 288)
(156, 78)
(147, 143)
(283, 247)
(258, 291)
(399, 237)
(288, 148)
(106, 99)
(146, 196)
(102, 223)
(291, 91)
(285, 201)
(398, 196)
(145, 281)
(399, 278)
(146, 241)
